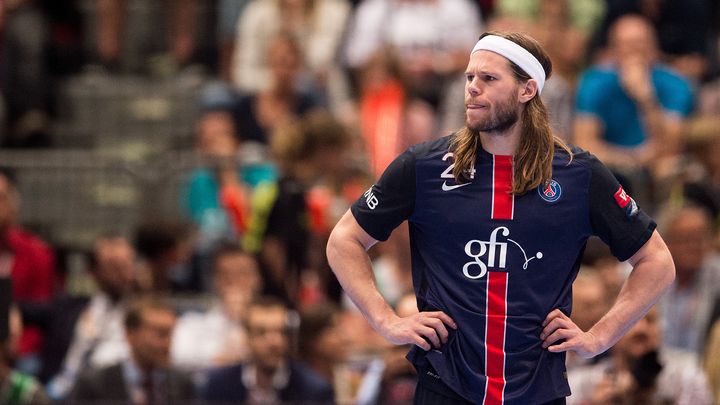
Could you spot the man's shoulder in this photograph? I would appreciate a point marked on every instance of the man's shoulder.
(308, 382)
(23, 239)
(431, 149)
(220, 374)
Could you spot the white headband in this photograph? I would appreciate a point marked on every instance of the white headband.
(516, 53)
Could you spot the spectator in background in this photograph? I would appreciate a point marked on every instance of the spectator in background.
(699, 177)
(217, 196)
(17, 388)
(146, 376)
(24, 75)
(217, 337)
(268, 376)
(432, 56)
(165, 248)
(684, 30)
(111, 18)
(640, 371)
(548, 20)
(322, 344)
(87, 332)
(589, 304)
(687, 307)
(711, 361)
(32, 266)
(287, 216)
(316, 26)
(631, 109)
(259, 113)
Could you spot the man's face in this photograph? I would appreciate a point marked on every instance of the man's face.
(8, 203)
(267, 336)
(491, 93)
(237, 272)
(115, 271)
(688, 239)
(633, 38)
(150, 343)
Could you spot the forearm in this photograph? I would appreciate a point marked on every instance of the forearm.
(350, 263)
(650, 277)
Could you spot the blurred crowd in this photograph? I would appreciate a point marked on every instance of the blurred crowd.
(303, 103)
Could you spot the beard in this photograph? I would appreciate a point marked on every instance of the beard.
(504, 116)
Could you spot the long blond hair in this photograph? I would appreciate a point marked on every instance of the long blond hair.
(533, 159)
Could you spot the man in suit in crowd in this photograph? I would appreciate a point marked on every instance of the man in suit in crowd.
(87, 331)
(146, 377)
(269, 376)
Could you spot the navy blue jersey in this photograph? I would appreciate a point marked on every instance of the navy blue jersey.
(498, 263)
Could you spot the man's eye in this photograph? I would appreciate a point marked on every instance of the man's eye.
(469, 77)
(489, 78)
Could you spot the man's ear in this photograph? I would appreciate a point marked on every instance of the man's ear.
(528, 91)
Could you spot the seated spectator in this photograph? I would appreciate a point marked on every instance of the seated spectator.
(145, 377)
(31, 263)
(291, 214)
(589, 304)
(87, 331)
(639, 370)
(217, 196)
(111, 27)
(166, 248)
(259, 113)
(631, 109)
(712, 361)
(317, 26)
(687, 306)
(699, 178)
(269, 375)
(16, 388)
(432, 56)
(217, 337)
(322, 344)
(25, 73)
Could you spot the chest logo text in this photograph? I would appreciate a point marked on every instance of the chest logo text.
(496, 252)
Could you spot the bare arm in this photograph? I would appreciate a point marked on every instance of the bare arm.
(346, 252)
(653, 272)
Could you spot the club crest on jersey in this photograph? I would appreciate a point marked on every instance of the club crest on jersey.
(550, 191)
(496, 252)
(626, 202)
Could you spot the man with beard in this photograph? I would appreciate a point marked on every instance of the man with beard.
(640, 370)
(499, 215)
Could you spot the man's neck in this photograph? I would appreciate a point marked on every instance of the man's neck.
(502, 143)
(264, 378)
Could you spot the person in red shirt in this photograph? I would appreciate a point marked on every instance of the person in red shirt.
(28, 259)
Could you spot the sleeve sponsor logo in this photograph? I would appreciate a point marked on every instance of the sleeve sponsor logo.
(626, 202)
(370, 199)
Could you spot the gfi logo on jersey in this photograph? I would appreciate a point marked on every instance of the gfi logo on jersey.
(496, 254)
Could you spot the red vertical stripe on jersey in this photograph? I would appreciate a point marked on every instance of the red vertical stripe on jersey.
(502, 202)
(495, 337)
(497, 281)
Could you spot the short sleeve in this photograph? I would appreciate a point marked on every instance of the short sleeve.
(614, 215)
(390, 200)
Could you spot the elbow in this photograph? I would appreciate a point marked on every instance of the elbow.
(669, 270)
